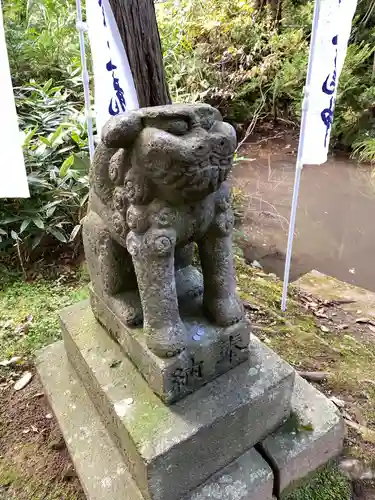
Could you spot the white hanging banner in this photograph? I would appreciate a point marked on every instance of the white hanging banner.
(13, 179)
(332, 23)
(113, 81)
(327, 55)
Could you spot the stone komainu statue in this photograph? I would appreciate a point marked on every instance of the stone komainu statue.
(158, 184)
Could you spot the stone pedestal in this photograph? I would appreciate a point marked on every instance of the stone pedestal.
(170, 450)
(210, 352)
(225, 440)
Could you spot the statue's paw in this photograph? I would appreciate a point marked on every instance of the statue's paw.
(127, 307)
(189, 282)
(133, 316)
(168, 341)
(224, 311)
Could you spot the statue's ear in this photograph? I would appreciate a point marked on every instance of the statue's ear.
(122, 130)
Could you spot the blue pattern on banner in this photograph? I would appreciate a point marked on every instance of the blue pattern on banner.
(117, 103)
(329, 87)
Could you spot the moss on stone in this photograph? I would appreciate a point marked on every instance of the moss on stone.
(296, 337)
(327, 484)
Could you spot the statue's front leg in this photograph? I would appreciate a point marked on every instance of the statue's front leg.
(153, 258)
(220, 300)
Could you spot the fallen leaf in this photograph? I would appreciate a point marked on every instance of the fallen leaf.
(23, 327)
(347, 416)
(359, 417)
(366, 321)
(356, 470)
(11, 361)
(367, 434)
(249, 306)
(340, 403)
(23, 381)
(69, 472)
(38, 395)
(343, 326)
(320, 313)
(57, 444)
(312, 305)
(368, 381)
(340, 302)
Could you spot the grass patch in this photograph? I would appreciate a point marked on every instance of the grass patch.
(28, 312)
(296, 337)
(21, 487)
(328, 484)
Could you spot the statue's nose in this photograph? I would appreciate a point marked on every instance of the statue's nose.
(224, 137)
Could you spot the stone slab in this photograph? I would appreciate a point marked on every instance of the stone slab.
(297, 451)
(247, 478)
(99, 464)
(170, 450)
(211, 350)
(328, 288)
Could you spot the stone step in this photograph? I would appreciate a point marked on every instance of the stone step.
(312, 437)
(326, 287)
(295, 451)
(98, 462)
(170, 450)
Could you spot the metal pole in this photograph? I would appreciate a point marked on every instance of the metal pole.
(299, 163)
(81, 27)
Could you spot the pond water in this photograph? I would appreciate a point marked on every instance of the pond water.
(335, 231)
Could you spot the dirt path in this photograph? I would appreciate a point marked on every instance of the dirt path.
(34, 462)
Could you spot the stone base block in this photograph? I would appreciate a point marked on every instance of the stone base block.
(313, 436)
(170, 450)
(98, 462)
(211, 350)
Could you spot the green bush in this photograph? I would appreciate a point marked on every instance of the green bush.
(44, 56)
(42, 39)
(243, 59)
(55, 151)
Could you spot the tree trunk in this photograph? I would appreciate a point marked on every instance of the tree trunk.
(136, 21)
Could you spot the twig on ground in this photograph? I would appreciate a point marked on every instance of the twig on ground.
(20, 258)
(314, 376)
(265, 139)
(253, 122)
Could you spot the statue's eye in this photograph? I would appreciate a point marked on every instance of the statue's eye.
(177, 127)
(207, 123)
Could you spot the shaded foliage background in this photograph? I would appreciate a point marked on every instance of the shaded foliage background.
(45, 64)
(247, 57)
(250, 60)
